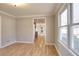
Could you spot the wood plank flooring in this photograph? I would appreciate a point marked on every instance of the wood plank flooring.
(26, 49)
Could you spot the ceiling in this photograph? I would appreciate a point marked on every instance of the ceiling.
(29, 8)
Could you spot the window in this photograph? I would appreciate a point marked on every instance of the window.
(75, 38)
(75, 28)
(63, 18)
(69, 27)
(63, 34)
(75, 15)
(63, 26)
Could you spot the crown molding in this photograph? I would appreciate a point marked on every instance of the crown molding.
(5, 13)
(57, 8)
(32, 16)
(40, 15)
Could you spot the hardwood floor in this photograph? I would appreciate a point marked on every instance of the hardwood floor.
(23, 49)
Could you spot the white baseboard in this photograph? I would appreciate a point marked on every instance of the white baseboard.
(8, 44)
(15, 42)
(57, 50)
(31, 43)
(70, 51)
(23, 42)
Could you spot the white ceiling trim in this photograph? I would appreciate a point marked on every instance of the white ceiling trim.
(33, 16)
(5, 13)
(58, 7)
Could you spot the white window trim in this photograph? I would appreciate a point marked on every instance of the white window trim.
(63, 7)
(69, 25)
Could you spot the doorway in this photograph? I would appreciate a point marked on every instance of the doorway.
(39, 26)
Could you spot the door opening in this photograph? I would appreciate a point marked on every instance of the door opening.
(39, 28)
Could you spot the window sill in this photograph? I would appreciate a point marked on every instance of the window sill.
(67, 48)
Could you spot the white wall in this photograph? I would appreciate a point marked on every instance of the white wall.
(8, 28)
(0, 31)
(24, 31)
(50, 30)
(21, 29)
(62, 49)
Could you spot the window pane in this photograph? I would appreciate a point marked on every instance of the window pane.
(76, 13)
(63, 34)
(75, 38)
(64, 18)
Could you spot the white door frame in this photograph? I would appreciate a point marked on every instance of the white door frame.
(34, 28)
